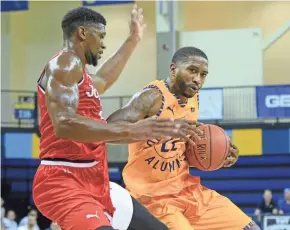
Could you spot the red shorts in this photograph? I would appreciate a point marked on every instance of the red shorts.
(74, 197)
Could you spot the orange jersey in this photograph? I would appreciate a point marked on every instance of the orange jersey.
(157, 167)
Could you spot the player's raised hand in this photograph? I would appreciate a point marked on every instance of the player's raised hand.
(137, 25)
(166, 128)
(233, 156)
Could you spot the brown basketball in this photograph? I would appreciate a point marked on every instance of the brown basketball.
(211, 151)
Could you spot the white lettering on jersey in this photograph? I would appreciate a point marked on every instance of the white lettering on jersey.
(93, 92)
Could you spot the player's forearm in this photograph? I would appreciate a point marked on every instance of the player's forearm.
(113, 67)
(81, 129)
(124, 141)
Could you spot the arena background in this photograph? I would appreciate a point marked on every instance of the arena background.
(248, 45)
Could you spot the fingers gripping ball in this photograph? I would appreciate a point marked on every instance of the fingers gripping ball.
(210, 152)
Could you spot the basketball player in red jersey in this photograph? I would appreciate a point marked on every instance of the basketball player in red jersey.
(71, 186)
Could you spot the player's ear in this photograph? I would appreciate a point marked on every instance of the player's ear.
(82, 32)
(172, 68)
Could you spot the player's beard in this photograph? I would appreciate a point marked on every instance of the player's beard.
(182, 87)
(91, 58)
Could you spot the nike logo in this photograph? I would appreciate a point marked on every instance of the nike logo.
(170, 110)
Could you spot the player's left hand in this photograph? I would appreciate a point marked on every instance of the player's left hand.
(137, 25)
(233, 155)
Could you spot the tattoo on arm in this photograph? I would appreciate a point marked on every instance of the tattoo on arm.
(142, 105)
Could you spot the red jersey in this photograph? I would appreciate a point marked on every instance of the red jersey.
(89, 106)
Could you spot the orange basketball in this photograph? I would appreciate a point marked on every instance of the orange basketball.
(211, 151)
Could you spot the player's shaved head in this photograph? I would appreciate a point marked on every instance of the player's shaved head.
(183, 54)
(80, 16)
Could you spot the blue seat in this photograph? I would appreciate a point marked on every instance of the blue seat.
(19, 186)
(3, 174)
(248, 198)
(30, 183)
(238, 173)
(14, 162)
(248, 210)
(34, 163)
(244, 198)
(16, 173)
(31, 173)
(268, 160)
(247, 185)
(115, 174)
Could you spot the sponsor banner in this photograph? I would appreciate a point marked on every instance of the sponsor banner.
(97, 3)
(24, 109)
(211, 104)
(273, 101)
(276, 222)
(13, 5)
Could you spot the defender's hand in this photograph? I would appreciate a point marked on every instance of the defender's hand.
(137, 25)
(233, 155)
(165, 128)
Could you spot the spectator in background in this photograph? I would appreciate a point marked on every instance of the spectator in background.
(31, 223)
(53, 226)
(24, 220)
(10, 222)
(2, 218)
(284, 204)
(267, 206)
(2, 210)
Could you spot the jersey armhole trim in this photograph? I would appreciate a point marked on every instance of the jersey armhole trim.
(163, 99)
(39, 80)
(81, 81)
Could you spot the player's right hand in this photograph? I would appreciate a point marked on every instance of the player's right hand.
(165, 128)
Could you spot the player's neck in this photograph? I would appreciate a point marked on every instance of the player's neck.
(175, 90)
(69, 45)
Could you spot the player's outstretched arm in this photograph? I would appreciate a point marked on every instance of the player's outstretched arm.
(109, 72)
(62, 98)
(143, 107)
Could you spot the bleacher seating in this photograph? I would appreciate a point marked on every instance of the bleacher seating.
(243, 184)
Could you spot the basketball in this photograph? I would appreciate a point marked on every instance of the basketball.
(210, 152)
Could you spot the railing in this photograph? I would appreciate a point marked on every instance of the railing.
(239, 106)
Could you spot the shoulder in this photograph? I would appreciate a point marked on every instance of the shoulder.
(153, 98)
(66, 67)
(151, 94)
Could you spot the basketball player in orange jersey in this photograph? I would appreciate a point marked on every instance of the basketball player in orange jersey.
(157, 173)
(71, 186)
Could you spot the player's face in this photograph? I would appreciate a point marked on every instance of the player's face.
(94, 43)
(190, 75)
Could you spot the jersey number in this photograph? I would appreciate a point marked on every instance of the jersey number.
(168, 146)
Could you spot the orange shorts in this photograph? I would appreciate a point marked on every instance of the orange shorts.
(197, 208)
